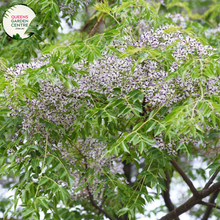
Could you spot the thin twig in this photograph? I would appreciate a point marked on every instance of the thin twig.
(213, 205)
(88, 20)
(211, 179)
(97, 23)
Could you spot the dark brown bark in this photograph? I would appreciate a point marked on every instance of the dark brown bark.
(93, 31)
(209, 208)
(197, 195)
(191, 202)
(213, 205)
(166, 194)
(181, 209)
(127, 170)
(185, 177)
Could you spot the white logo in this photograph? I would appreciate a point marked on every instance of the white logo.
(16, 20)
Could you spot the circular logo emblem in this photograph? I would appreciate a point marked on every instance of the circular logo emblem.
(16, 20)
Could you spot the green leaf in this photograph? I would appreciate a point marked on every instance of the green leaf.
(141, 146)
(159, 128)
(38, 148)
(150, 125)
(62, 173)
(7, 211)
(123, 211)
(34, 163)
(133, 93)
(119, 101)
(213, 167)
(71, 180)
(115, 150)
(173, 114)
(64, 194)
(43, 181)
(99, 188)
(49, 160)
(213, 119)
(147, 140)
(123, 110)
(124, 147)
(137, 106)
(43, 202)
(28, 212)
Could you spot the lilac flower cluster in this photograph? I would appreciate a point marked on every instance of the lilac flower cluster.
(20, 68)
(58, 105)
(54, 104)
(151, 74)
(170, 146)
(72, 7)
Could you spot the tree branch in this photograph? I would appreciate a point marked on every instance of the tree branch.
(88, 20)
(191, 202)
(210, 190)
(211, 179)
(166, 194)
(95, 205)
(209, 208)
(181, 209)
(97, 23)
(92, 199)
(185, 178)
(213, 205)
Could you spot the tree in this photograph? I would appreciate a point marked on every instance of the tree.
(99, 119)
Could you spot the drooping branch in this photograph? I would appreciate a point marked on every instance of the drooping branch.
(209, 208)
(95, 205)
(166, 194)
(185, 178)
(211, 179)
